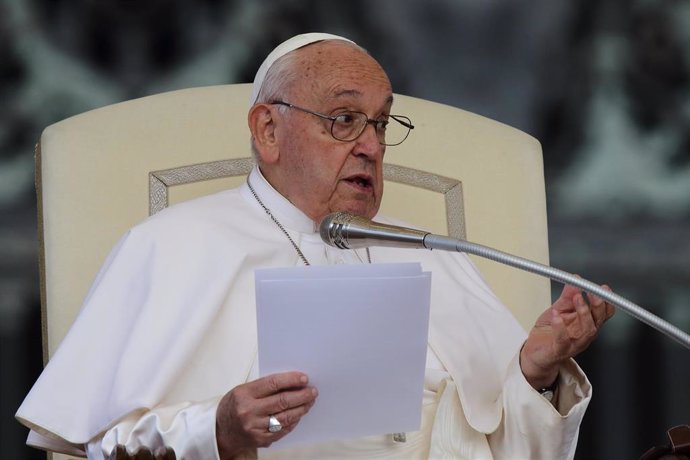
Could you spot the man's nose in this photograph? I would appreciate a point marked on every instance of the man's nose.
(368, 142)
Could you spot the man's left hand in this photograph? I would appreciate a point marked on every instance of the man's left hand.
(561, 332)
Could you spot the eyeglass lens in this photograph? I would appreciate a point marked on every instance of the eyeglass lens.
(349, 125)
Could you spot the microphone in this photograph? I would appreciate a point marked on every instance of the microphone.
(346, 231)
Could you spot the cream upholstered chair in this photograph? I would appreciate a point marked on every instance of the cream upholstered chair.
(100, 172)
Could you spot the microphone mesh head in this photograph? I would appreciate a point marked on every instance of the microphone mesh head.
(331, 229)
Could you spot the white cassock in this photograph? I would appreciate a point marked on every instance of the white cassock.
(169, 327)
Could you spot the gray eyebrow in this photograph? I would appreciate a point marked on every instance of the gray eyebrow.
(347, 92)
(355, 93)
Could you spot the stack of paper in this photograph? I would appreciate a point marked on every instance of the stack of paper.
(359, 332)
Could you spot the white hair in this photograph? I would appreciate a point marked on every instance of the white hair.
(276, 84)
(279, 80)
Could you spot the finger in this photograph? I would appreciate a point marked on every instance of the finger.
(288, 407)
(560, 335)
(266, 438)
(288, 420)
(291, 417)
(609, 309)
(570, 290)
(275, 383)
(286, 400)
(566, 300)
(596, 307)
(601, 310)
(593, 300)
(587, 325)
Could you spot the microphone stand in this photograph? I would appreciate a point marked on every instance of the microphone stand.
(446, 243)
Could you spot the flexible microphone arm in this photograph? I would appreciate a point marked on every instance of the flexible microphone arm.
(346, 231)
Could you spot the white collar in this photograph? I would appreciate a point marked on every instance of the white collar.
(282, 209)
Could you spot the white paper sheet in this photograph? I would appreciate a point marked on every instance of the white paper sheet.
(359, 332)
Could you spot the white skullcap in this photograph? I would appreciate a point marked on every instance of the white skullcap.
(298, 41)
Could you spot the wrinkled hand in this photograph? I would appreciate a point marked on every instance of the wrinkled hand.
(242, 415)
(561, 332)
(143, 453)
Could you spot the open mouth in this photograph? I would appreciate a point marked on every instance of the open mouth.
(360, 181)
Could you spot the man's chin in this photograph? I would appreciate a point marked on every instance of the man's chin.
(368, 212)
(361, 208)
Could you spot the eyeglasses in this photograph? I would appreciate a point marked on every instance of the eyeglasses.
(349, 125)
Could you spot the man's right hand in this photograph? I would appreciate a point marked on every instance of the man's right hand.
(243, 413)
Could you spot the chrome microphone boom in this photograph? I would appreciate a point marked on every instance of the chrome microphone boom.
(346, 231)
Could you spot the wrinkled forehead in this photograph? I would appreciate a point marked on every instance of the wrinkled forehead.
(285, 48)
(335, 69)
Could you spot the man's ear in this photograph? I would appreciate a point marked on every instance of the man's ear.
(263, 129)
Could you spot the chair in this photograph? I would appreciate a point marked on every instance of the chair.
(100, 172)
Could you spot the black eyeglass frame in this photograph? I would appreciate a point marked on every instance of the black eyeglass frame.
(402, 119)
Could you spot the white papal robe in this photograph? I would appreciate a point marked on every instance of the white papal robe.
(169, 327)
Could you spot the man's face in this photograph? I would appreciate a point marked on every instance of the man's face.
(316, 172)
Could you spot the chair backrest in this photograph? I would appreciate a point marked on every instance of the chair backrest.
(100, 172)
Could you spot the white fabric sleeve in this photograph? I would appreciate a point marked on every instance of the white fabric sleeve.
(188, 428)
(534, 428)
(47, 443)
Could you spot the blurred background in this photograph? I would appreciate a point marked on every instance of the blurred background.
(604, 85)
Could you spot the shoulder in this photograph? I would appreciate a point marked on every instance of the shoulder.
(227, 219)
(187, 226)
(203, 214)
(205, 208)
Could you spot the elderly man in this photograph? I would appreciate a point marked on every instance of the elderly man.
(166, 341)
